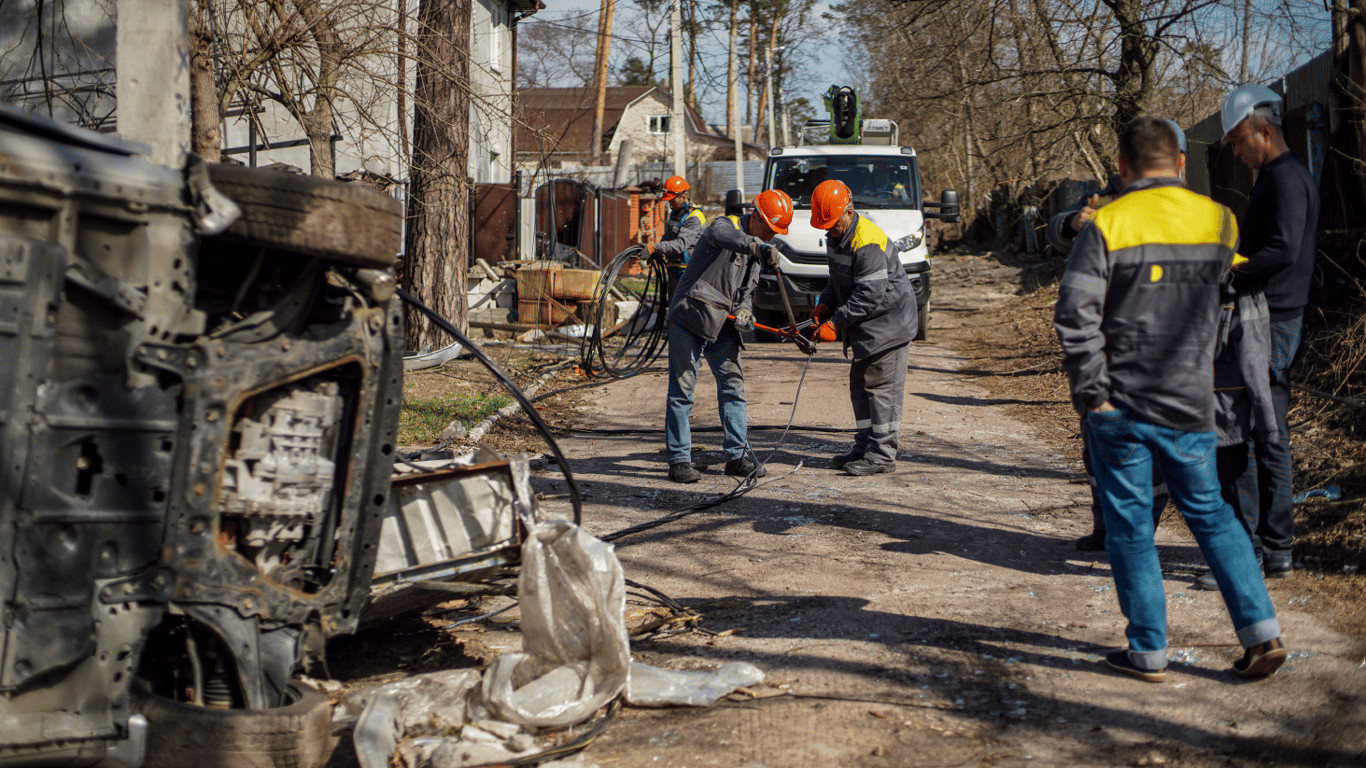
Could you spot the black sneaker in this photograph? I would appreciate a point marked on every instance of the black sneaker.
(839, 461)
(1279, 569)
(1261, 660)
(1119, 661)
(864, 467)
(744, 467)
(1092, 542)
(683, 472)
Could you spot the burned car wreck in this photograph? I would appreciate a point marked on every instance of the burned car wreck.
(200, 401)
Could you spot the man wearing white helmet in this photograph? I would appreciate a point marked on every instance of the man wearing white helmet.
(1279, 229)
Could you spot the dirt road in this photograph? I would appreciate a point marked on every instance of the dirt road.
(938, 616)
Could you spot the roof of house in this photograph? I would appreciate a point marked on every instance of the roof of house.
(560, 120)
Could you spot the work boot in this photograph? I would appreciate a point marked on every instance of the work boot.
(744, 467)
(1279, 567)
(1092, 542)
(864, 467)
(839, 461)
(683, 472)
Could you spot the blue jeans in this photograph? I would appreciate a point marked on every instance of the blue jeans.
(723, 356)
(1123, 450)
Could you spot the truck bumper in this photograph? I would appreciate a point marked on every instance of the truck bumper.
(804, 291)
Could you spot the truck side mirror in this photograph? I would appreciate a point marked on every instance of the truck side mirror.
(947, 205)
(735, 203)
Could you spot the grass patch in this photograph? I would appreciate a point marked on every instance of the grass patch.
(421, 419)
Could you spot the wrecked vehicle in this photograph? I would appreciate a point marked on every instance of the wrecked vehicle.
(200, 402)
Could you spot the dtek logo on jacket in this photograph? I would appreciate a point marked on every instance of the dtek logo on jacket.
(1190, 249)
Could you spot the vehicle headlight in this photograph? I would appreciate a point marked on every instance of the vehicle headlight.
(910, 241)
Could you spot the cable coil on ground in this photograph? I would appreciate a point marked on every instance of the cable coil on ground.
(644, 339)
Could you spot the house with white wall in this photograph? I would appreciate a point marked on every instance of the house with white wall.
(555, 130)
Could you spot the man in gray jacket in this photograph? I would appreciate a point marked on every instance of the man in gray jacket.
(1138, 316)
(869, 300)
(719, 285)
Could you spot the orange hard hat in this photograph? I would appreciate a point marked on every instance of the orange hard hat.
(776, 208)
(675, 186)
(828, 203)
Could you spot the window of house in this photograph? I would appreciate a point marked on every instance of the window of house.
(659, 124)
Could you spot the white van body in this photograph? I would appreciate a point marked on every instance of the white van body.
(885, 183)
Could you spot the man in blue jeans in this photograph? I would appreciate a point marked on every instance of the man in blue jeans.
(712, 304)
(1138, 318)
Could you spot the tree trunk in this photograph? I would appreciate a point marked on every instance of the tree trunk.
(1137, 52)
(692, 55)
(436, 255)
(600, 78)
(206, 136)
(753, 54)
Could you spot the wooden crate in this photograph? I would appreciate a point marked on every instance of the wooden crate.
(535, 284)
(578, 284)
(543, 312)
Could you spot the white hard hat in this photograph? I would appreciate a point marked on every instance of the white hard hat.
(1247, 99)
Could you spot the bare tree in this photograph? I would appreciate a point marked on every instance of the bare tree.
(437, 248)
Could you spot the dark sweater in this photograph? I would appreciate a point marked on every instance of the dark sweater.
(1280, 235)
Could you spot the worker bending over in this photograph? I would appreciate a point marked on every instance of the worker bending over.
(1138, 317)
(719, 283)
(869, 298)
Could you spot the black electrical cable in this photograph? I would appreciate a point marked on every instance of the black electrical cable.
(644, 340)
(574, 496)
(746, 485)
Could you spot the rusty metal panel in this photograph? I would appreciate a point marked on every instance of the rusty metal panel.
(562, 214)
(615, 221)
(493, 230)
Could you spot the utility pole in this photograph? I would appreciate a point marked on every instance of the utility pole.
(152, 80)
(676, 87)
(600, 77)
(769, 89)
(734, 106)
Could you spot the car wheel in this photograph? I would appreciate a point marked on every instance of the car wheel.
(296, 735)
(771, 320)
(350, 223)
(922, 330)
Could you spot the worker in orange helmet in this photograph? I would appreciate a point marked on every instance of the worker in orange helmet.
(869, 299)
(719, 284)
(681, 231)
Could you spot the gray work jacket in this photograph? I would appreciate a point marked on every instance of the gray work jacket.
(868, 290)
(720, 279)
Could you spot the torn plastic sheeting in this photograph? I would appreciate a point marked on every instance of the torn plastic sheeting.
(413, 707)
(576, 653)
(654, 687)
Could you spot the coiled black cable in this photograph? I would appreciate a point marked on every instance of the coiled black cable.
(644, 339)
(574, 496)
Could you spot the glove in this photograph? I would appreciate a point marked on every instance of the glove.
(744, 319)
(826, 332)
(649, 249)
(819, 313)
(765, 253)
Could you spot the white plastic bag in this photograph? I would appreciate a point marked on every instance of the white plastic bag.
(654, 687)
(575, 651)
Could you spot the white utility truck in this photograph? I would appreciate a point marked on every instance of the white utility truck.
(885, 181)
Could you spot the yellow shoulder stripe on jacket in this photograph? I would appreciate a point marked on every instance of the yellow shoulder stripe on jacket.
(697, 214)
(735, 220)
(1145, 217)
(868, 233)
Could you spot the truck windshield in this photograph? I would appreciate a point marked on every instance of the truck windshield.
(876, 181)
